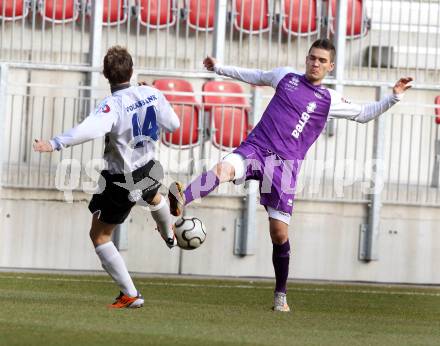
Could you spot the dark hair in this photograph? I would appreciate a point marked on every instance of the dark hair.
(118, 65)
(326, 44)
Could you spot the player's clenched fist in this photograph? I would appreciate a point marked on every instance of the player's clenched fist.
(209, 63)
(42, 146)
(402, 85)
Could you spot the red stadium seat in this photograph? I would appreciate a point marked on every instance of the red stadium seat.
(176, 85)
(115, 11)
(200, 14)
(229, 113)
(59, 11)
(252, 16)
(156, 14)
(299, 17)
(187, 110)
(14, 9)
(230, 126)
(219, 88)
(437, 110)
(357, 22)
(187, 135)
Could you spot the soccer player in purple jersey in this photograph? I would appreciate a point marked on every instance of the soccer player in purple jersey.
(291, 123)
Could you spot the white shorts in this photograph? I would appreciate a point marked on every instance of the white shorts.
(278, 215)
(239, 164)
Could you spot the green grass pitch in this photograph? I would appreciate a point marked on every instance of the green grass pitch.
(54, 309)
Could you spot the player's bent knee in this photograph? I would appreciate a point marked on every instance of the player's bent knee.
(94, 235)
(234, 166)
(224, 171)
(99, 238)
(94, 238)
(154, 200)
(279, 236)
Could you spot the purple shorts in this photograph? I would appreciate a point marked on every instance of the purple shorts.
(277, 176)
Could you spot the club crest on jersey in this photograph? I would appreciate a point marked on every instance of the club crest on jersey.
(103, 108)
(311, 107)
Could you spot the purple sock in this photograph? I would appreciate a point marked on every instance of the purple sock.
(203, 185)
(280, 260)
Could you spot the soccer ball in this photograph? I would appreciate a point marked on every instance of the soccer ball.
(190, 232)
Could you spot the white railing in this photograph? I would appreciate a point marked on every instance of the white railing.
(384, 39)
(337, 167)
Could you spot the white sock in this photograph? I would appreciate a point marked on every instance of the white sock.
(114, 265)
(161, 214)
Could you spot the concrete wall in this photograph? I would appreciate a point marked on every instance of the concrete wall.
(39, 230)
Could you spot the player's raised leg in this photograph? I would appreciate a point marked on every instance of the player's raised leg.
(280, 259)
(200, 187)
(160, 212)
(114, 265)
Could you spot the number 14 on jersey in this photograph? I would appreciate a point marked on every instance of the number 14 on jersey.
(148, 130)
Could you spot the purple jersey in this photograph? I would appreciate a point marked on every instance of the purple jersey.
(291, 123)
(294, 118)
(299, 110)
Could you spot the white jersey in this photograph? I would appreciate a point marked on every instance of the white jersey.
(340, 106)
(131, 120)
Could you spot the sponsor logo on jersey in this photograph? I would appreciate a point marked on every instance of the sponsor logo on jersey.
(141, 103)
(305, 116)
(293, 83)
(289, 202)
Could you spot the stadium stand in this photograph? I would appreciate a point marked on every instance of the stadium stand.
(229, 113)
(157, 14)
(186, 108)
(59, 11)
(358, 23)
(200, 14)
(299, 17)
(115, 11)
(251, 16)
(14, 9)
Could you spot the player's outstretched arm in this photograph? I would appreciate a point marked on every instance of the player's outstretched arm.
(94, 126)
(209, 63)
(247, 75)
(402, 85)
(42, 146)
(342, 108)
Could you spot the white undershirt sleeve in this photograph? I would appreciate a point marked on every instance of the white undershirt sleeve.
(94, 126)
(344, 109)
(166, 117)
(254, 76)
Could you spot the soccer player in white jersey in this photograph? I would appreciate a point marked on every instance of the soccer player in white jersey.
(291, 123)
(130, 120)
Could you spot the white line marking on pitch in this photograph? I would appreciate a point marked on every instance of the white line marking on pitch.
(304, 289)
